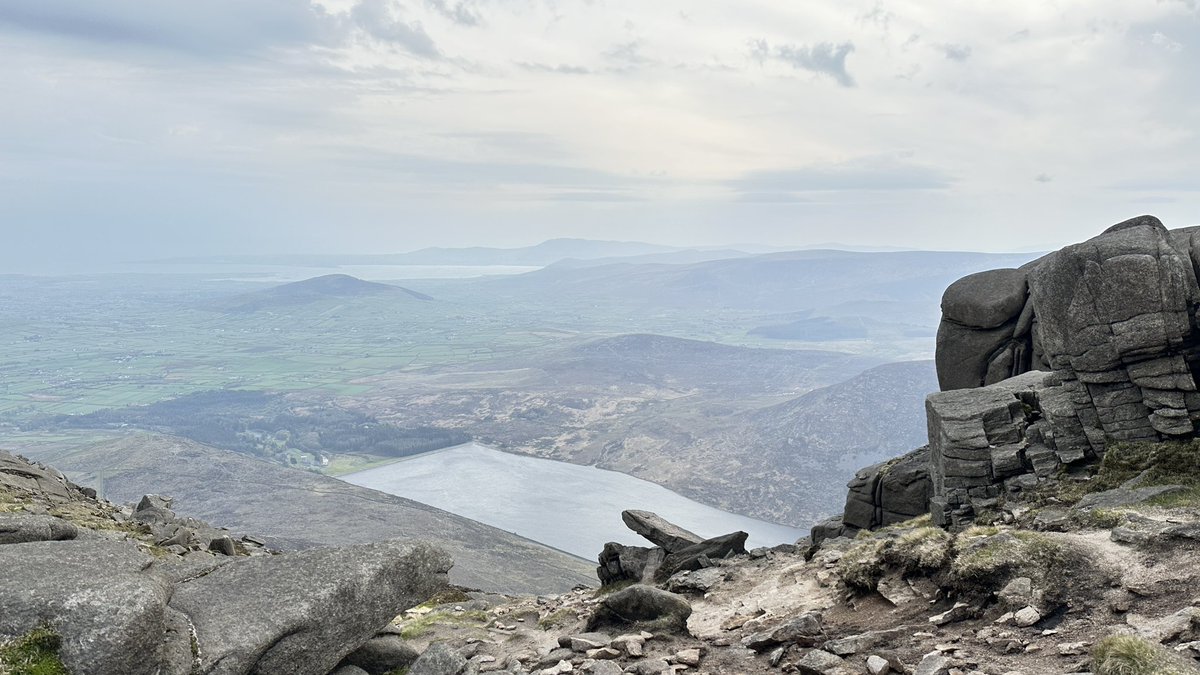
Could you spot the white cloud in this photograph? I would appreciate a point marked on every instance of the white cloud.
(476, 112)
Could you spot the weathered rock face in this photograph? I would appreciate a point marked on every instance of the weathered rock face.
(1041, 367)
(310, 609)
(112, 616)
(889, 492)
(87, 575)
(1114, 318)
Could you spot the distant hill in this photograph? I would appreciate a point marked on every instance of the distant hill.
(296, 509)
(775, 282)
(538, 255)
(317, 289)
(686, 364)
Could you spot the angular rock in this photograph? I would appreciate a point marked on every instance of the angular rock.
(1112, 499)
(659, 531)
(109, 610)
(438, 659)
(888, 493)
(585, 641)
(857, 644)
(16, 528)
(805, 630)
(933, 664)
(877, 665)
(640, 604)
(303, 612)
(381, 654)
(700, 555)
(619, 562)
(961, 611)
(695, 581)
(818, 662)
(1026, 616)
(17, 473)
(688, 657)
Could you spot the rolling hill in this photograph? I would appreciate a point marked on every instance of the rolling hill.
(331, 287)
(296, 509)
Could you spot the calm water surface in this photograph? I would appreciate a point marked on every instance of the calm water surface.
(567, 506)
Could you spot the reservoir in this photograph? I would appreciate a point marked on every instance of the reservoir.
(570, 507)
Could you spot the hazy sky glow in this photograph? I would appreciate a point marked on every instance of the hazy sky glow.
(176, 127)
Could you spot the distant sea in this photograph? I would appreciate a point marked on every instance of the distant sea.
(277, 274)
(570, 507)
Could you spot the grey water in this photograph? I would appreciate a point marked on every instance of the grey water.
(570, 507)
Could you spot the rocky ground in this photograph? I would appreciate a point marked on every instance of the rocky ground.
(1058, 591)
(1106, 585)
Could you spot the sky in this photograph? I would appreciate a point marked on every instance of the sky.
(133, 130)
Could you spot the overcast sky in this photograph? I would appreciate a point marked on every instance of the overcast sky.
(136, 129)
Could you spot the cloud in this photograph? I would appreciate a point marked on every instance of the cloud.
(868, 173)
(1160, 40)
(560, 69)
(956, 52)
(824, 58)
(1151, 185)
(628, 55)
(213, 28)
(461, 13)
(378, 18)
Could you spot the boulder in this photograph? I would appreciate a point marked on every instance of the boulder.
(99, 596)
(695, 581)
(16, 528)
(887, 493)
(659, 531)
(642, 605)
(382, 654)
(619, 562)
(19, 474)
(805, 630)
(304, 612)
(819, 662)
(438, 659)
(701, 555)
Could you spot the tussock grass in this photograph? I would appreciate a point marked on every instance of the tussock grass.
(1132, 655)
(422, 625)
(915, 550)
(35, 653)
(1171, 463)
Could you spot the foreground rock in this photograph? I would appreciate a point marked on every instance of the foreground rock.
(304, 612)
(659, 531)
(110, 612)
(127, 591)
(642, 607)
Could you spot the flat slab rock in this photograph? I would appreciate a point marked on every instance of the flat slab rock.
(99, 595)
(301, 613)
(17, 528)
(659, 531)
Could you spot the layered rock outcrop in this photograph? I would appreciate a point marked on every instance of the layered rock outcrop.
(1114, 318)
(1043, 366)
(1091, 344)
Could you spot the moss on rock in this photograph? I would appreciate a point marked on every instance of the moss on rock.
(35, 653)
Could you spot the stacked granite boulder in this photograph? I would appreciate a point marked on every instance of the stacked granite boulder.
(1042, 367)
(1112, 320)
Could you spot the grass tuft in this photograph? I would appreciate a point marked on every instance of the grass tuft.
(422, 625)
(35, 653)
(1132, 655)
